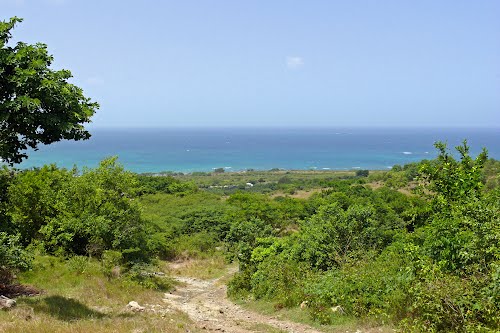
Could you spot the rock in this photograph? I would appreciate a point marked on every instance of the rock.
(6, 303)
(135, 307)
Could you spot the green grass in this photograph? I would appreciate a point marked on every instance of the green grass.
(298, 315)
(265, 181)
(81, 299)
(167, 208)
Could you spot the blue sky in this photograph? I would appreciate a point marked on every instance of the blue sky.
(275, 63)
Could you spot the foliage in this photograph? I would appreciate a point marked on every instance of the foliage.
(6, 177)
(326, 238)
(85, 214)
(334, 235)
(428, 262)
(243, 237)
(193, 224)
(147, 277)
(194, 245)
(455, 181)
(12, 257)
(370, 286)
(280, 280)
(464, 240)
(36, 197)
(277, 276)
(362, 173)
(37, 104)
(164, 184)
(492, 174)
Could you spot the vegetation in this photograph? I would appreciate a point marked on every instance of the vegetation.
(37, 104)
(428, 262)
(78, 296)
(415, 247)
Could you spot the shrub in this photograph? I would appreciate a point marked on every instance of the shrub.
(362, 173)
(36, 197)
(198, 244)
(82, 214)
(333, 235)
(12, 257)
(279, 279)
(146, 276)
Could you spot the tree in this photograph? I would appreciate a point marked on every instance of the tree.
(452, 180)
(37, 104)
(362, 173)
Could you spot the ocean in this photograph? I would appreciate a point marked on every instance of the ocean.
(236, 149)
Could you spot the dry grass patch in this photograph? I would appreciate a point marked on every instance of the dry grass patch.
(204, 268)
(83, 299)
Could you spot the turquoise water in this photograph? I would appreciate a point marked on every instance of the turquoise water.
(188, 150)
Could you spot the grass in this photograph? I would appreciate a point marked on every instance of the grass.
(206, 268)
(288, 181)
(82, 299)
(242, 177)
(342, 324)
(166, 208)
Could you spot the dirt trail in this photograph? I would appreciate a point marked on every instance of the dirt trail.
(206, 304)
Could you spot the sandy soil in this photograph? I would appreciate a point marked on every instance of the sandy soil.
(206, 304)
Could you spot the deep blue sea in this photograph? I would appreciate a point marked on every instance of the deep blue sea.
(188, 150)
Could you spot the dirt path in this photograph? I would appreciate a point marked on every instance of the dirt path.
(206, 304)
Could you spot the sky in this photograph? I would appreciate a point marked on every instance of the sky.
(275, 63)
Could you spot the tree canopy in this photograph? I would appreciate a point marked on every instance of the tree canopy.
(37, 104)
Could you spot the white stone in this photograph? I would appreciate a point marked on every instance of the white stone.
(134, 306)
(6, 303)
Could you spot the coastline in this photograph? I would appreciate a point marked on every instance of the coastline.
(237, 150)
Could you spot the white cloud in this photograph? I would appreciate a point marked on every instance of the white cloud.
(294, 62)
(94, 81)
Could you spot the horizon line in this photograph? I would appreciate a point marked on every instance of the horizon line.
(491, 127)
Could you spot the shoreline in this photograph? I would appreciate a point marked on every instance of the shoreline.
(256, 171)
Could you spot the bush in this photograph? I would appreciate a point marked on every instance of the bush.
(166, 184)
(279, 279)
(110, 263)
(239, 285)
(198, 244)
(12, 257)
(147, 277)
(36, 197)
(82, 214)
(334, 235)
(362, 173)
(372, 286)
(443, 302)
